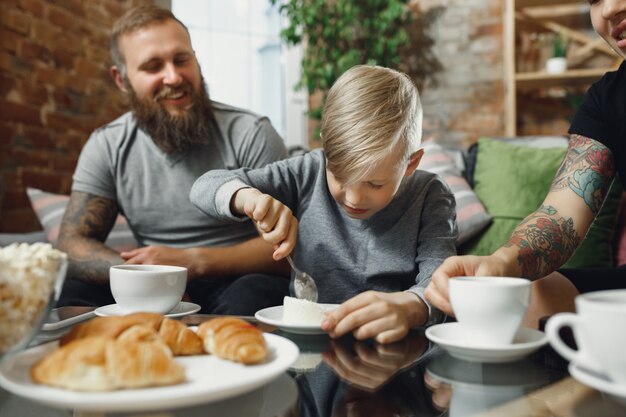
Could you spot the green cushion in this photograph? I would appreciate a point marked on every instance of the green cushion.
(512, 181)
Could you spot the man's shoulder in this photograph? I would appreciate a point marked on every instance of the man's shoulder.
(225, 113)
(126, 122)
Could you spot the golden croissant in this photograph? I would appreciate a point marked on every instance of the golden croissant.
(233, 339)
(98, 363)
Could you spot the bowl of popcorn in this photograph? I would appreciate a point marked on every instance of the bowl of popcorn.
(31, 278)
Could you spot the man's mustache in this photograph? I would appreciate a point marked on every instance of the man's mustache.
(166, 92)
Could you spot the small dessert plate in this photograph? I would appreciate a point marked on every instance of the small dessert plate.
(182, 309)
(450, 337)
(599, 382)
(273, 316)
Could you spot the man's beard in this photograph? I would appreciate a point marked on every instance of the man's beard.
(174, 133)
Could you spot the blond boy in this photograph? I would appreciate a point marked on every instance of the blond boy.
(369, 227)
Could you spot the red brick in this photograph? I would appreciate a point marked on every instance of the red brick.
(34, 7)
(45, 33)
(15, 20)
(29, 50)
(43, 179)
(6, 84)
(62, 18)
(26, 157)
(98, 54)
(19, 221)
(71, 42)
(39, 137)
(33, 94)
(16, 66)
(63, 59)
(9, 40)
(16, 112)
(87, 68)
(64, 121)
(74, 6)
(15, 198)
(50, 76)
(6, 133)
(65, 163)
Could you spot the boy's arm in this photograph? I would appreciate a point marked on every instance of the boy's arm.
(436, 242)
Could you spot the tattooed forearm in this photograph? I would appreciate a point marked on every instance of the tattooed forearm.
(545, 242)
(87, 222)
(587, 170)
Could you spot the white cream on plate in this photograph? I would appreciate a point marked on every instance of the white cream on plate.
(296, 311)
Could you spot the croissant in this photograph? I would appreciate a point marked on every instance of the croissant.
(180, 338)
(102, 364)
(233, 339)
(111, 327)
(141, 327)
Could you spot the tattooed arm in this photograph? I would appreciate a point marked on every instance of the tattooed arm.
(545, 239)
(87, 222)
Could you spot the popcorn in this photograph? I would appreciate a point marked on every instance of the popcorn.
(28, 274)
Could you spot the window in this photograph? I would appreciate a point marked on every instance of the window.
(244, 62)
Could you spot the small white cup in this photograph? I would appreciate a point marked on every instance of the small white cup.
(599, 328)
(149, 288)
(489, 309)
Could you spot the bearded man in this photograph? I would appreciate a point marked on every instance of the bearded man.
(143, 165)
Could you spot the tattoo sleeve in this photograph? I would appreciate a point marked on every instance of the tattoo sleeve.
(587, 170)
(546, 238)
(545, 241)
(87, 222)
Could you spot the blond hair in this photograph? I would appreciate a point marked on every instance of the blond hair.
(135, 19)
(370, 112)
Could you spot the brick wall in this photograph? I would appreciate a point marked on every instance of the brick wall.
(55, 89)
(468, 100)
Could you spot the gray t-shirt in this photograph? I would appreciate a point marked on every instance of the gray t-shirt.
(396, 249)
(122, 163)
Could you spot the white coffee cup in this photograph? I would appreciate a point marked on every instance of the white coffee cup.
(599, 328)
(150, 288)
(489, 309)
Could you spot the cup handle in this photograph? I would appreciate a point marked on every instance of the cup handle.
(579, 356)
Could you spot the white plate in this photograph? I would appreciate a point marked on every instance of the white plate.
(599, 382)
(209, 379)
(274, 317)
(450, 337)
(182, 309)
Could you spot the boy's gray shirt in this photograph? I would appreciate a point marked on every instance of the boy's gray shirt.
(396, 249)
(122, 163)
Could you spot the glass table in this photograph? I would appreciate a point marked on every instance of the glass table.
(414, 377)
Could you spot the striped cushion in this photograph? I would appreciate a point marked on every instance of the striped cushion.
(471, 215)
(50, 208)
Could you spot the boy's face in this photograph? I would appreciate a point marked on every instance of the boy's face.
(609, 21)
(363, 199)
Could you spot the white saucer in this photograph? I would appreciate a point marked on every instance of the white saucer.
(182, 309)
(450, 337)
(599, 382)
(274, 317)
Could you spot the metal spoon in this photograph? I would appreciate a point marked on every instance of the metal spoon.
(303, 284)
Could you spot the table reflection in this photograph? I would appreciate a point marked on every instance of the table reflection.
(356, 378)
(466, 388)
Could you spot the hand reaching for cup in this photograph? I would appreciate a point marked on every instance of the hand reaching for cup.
(275, 222)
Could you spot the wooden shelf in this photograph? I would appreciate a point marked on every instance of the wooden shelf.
(520, 4)
(543, 16)
(541, 79)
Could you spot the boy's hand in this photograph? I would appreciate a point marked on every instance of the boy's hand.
(274, 220)
(384, 316)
